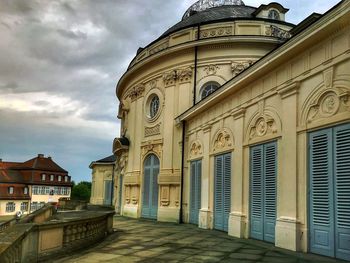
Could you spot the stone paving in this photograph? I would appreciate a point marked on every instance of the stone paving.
(151, 241)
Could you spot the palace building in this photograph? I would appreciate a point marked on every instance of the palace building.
(27, 186)
(236, 120)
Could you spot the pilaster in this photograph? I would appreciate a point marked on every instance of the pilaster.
(237, 219)
(205, 215)
(287, 226)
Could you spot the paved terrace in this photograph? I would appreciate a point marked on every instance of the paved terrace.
(151, 241)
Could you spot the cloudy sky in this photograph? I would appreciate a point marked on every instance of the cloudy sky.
(60, 61)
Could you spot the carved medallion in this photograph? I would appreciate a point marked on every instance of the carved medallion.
(238, 66)
(329, 104)
(211, 69)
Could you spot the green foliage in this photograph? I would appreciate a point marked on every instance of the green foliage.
(81, 191)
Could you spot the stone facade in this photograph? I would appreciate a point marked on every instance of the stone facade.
(300, 86)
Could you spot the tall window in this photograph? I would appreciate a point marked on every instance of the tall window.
(43, 177)
(35, 190)
(66, 178)
(10, 190)
(59, 178)
(52, 177)
(25, 190)
(208, 89)
(24, 206)
(154, 106)
(34, 206)
(10, 207)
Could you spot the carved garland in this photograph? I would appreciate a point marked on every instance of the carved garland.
(263, 126)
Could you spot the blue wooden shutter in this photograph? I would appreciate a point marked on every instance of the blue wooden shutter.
(198, 190)
(256, 192)
(342, 190)
(321, 197)
(193, 193)
(218, 194)
(227, 189)
(146, 192)
(154, 186)
(270, 171)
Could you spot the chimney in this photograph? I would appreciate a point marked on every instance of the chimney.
(49, 157)
(0, 160)
(40, 155)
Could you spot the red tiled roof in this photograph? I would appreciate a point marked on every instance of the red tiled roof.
(42, 163)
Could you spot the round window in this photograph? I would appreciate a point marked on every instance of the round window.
(154, 106)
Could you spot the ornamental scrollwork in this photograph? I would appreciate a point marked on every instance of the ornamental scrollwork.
(136, 92)
(196, 149)
(223, 140)
(152, 147)
(328, 104)
(238, 66)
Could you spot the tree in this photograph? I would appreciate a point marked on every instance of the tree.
(81, 191)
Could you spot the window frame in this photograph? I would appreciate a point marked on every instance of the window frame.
(10, 207)
(11, 190)
(207, 84)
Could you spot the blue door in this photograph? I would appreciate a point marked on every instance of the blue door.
(195, 191)
(329, 157)
(150, 187)
(263, 170)
(108, 193)
(222, 191)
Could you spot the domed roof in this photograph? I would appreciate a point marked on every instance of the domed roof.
(206, 11)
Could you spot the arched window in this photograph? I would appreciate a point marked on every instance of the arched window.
(208, 89)
(273, 14)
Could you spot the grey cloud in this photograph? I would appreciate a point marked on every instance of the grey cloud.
(49, 48)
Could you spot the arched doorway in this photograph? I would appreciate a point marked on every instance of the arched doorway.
(150, 187)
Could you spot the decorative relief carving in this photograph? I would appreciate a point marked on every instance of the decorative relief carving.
(196, 149)
(238, 66)
(216, 32)
(165, 195)
(169, 78)
(122, 162)
(275, 31)
(154, 147)
(263, 126)
(223, 140)
(136, 92)
(328, 104)
(153, 84)
(150, 131)
(211, 69)
(184, 75)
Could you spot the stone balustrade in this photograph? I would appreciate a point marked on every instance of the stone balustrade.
(30, 241)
